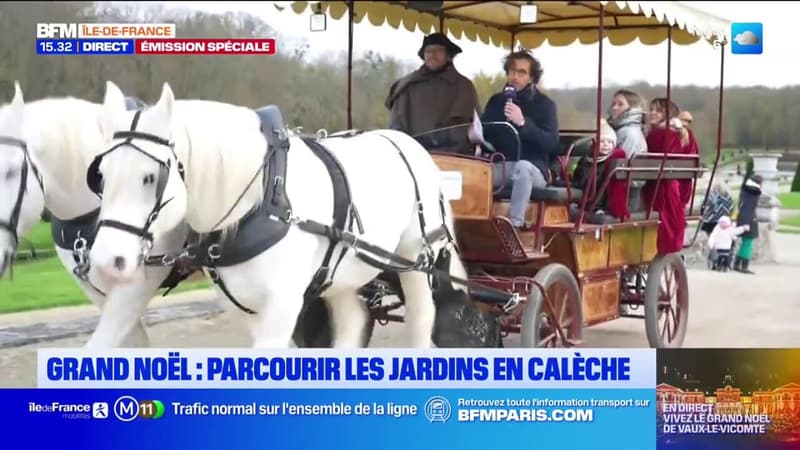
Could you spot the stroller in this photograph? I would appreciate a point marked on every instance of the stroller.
(724, 235)
(720, 260)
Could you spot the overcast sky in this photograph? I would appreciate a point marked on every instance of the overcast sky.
(575, 65)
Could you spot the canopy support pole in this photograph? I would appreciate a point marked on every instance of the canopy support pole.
(719, 120)
(599, 111)
(350, 19)
(669, 102)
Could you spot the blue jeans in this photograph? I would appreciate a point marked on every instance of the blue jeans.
(522, 176)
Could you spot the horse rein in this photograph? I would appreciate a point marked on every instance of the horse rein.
(13, 221)
(94, 180)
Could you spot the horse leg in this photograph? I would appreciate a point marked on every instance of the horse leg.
(122, 315)
(349, 318)
(138, 335)
(278, 318)
(420, 309)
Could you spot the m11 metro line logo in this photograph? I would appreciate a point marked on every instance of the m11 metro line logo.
(127, 409)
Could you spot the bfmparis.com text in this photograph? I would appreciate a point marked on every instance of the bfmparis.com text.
(524, 415)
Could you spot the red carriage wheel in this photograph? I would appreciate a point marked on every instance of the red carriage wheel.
(557, 320)
(666, 301)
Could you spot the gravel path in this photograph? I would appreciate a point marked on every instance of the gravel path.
(727, 310)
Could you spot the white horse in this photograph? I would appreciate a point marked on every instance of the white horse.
(63, 135)
(222, 149)
(21, 191)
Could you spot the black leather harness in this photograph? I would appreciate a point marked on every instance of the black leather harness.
(11, 224)
(268, 223)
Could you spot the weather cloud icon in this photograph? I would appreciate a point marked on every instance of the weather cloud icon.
(746, 38)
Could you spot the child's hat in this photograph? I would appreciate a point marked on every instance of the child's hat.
(724, 222)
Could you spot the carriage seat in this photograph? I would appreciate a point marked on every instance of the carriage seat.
(584, 145)
(607, 219)
(553, 194)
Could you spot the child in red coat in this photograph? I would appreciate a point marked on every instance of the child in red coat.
(667, 201)
(614, 200)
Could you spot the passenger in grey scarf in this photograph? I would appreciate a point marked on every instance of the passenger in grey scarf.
(626, 117)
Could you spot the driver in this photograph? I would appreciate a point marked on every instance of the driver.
(534, 116)
(435, 95)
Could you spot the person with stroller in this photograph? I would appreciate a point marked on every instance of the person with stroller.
(748, 200)
(720, 242)
(720, 203)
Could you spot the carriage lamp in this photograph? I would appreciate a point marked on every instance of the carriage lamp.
(318, 20)
(528, 13)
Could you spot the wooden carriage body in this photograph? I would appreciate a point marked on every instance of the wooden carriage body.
(598, 254)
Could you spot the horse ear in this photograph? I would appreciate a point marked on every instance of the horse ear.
(113, 103)
(18, 101)
(167, 101)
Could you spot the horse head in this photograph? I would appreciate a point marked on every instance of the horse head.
(139, 181)
(21, 186)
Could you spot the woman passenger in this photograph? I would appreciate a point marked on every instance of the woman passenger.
(627, 117)
(666, 200)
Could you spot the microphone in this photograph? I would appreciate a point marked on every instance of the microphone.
(510, 93)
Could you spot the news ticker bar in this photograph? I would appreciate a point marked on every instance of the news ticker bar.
(332, 418)
(155, 46)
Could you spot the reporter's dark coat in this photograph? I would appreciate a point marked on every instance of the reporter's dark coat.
(538, 135)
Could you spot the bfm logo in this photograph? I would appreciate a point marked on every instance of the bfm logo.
(57, 30)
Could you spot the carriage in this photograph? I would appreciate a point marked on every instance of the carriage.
(571, 270)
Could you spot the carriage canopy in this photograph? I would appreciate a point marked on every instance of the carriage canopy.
(557, 23)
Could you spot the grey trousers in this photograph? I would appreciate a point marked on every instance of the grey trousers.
(522, 176)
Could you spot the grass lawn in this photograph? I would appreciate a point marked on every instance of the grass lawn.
(793, 221)
(790, 200)
(45, 283)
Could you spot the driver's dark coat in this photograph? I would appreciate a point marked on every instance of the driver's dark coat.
(538, 136)
(424, 100)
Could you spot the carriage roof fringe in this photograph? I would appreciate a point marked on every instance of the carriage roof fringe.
(558, 23)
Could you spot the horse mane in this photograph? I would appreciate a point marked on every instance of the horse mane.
(65, 133)
(222, 149)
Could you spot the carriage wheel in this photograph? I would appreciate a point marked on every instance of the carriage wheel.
(561, 326)
(313, 329)
(666, 301)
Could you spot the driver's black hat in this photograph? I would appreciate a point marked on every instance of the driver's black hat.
(439, 39)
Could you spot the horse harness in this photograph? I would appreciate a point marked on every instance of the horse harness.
(11, 224)
(77, 235)
(267, 224)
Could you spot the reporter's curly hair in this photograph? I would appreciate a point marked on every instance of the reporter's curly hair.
(535, 65)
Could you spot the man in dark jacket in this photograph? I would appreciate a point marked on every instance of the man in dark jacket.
(534, 116)
(748, 201)
(435, 95)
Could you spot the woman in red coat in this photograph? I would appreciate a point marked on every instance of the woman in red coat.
(667, 200)
(688, 147)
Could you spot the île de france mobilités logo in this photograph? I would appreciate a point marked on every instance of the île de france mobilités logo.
(748, 38)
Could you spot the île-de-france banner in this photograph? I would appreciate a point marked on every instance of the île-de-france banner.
(392, 398)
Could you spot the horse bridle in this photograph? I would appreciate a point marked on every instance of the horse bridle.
(13, 221)
(94, 181)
